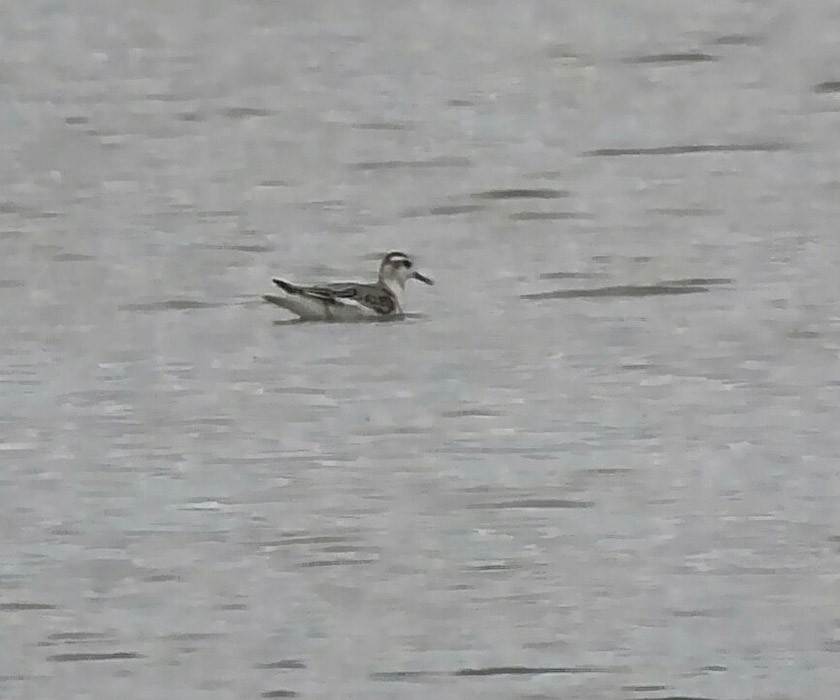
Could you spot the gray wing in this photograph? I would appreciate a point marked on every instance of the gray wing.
(376, 298)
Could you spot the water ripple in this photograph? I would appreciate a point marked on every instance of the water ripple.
(442, 162)
(532, 503)
(171, 305)
(627, 290)
(828, 86)
(672, 58)
(759, 146)
(521, 193)
(83, 656)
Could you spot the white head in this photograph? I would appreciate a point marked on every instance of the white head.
(397, 268)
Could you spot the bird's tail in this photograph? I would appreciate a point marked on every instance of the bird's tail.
(287, 287)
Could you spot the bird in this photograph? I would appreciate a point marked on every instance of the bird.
(352, 301)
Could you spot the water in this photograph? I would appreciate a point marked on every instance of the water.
(600, 458)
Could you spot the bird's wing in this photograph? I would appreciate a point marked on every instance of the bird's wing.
(371, 296)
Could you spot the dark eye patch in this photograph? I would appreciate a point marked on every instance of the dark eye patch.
(407, 264)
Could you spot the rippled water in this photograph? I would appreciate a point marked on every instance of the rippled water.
(600, 457)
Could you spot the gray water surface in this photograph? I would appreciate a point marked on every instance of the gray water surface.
(599, 459)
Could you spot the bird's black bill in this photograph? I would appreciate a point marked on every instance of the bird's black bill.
(422, 278)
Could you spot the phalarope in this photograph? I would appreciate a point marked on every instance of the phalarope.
(351, 301)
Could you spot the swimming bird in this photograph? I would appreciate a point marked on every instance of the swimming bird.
(352, 301)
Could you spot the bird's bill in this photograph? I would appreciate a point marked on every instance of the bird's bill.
(422, 278)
